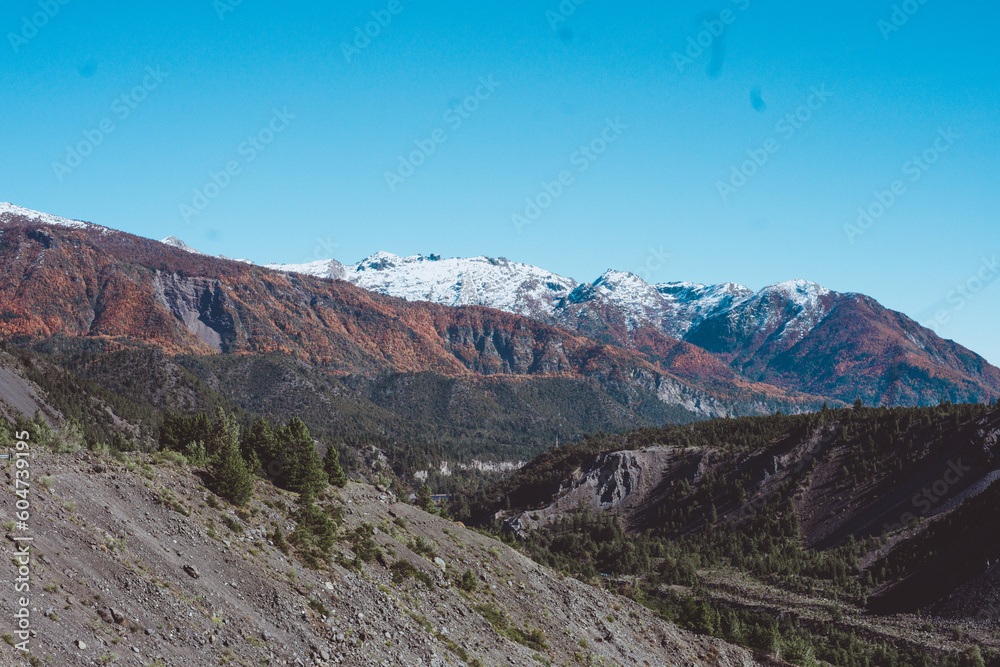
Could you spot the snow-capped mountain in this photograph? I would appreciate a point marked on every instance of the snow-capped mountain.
(674, 309)
(797, 335)
(324, 268)
(9, 211)
(785, 311)
(175, 242)
(619, 298)
(524, 289)
(513, 287)
(788, 344)
(639, 303)
(693, 302)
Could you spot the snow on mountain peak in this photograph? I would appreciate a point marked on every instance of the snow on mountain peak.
(615, 279)
(323, 268)
(687, 290)
(379, 261)
(693, 302)
(805, 296)
(480, 281)
(804, 293)
(175, 242)
(798, 285)
(680, 285)
(640, 301)
(673, 307)
(8, 211)
(733, 288)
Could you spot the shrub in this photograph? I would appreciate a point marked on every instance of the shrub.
(232, 524)
(168, 456)
(278, 538)
(68, 438)
(364, 544)
(423, 547)
(318, 607)
(469, 582)
(120, 443)
(533, 639)
(402, 570)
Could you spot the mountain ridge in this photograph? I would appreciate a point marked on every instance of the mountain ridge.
(794, 337)
(760, 335)
(86, 282)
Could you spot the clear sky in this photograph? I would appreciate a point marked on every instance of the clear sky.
(499, 98)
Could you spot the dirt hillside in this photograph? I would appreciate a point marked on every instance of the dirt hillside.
(135, 565)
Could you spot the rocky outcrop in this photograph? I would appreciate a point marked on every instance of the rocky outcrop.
(200, 304)
(624, 482)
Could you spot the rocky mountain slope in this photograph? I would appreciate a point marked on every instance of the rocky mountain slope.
(711, 349)
(83, 281)
(869, 533)
(796, 335)
(135, 562)
(900, 475)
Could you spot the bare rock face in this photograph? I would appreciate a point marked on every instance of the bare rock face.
(118, 563)
(200, 304)
(979, 599)
(619, 475)
(18, 395)
(624, 482)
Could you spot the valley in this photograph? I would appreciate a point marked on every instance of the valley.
(868, 533)
(624, 473)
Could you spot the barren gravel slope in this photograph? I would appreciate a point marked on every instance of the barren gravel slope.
(110, 586)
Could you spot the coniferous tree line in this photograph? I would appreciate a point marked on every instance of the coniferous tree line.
(287, 455)
(688, 535)
(872, 433)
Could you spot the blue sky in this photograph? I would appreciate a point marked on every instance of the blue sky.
(606, 97)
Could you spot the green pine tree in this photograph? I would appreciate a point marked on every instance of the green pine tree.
(231, 478)
(331, 464)
(303, 470)
(424, 500)
(973, 657)
(316, 528)
(177, 432)
(39, 431)
(260, 442)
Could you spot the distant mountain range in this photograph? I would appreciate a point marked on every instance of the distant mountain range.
(77, 281)
(711, 350)
(453, 370)
(795, 335)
